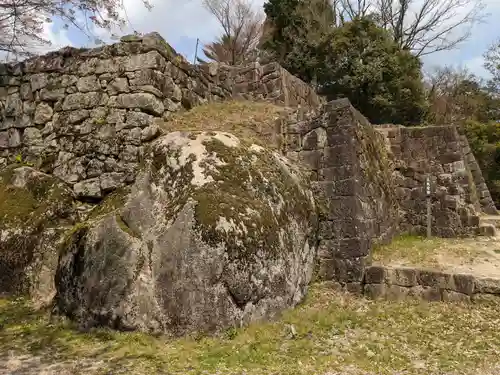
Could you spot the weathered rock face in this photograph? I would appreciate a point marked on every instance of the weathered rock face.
(213, 233)
(35, 210)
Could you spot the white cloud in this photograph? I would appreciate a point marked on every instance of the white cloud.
(58, 39)
(476, 66)
(181, 22)
(173, 19)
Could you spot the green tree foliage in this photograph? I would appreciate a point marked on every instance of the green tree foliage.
(484, 140)
(362, 62)
(356, 59)
(456, 95)
(293, 31)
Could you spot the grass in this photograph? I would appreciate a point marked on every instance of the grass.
(333, 333)
(425, 252)
(253, 121)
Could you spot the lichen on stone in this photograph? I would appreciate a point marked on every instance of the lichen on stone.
(254, 195)
(213, 233)
(244, 195)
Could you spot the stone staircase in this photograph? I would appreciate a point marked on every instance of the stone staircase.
(488, 225)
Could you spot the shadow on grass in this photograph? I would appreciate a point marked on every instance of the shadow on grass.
(40, 339)
(28, 330)
(327, 332)
(16, 311)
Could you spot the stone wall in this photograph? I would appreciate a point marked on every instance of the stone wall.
(486, 203)
(269, 82)
(442, 154)
(351, 179)
(402, 282)
(85, 115)
(370, 184)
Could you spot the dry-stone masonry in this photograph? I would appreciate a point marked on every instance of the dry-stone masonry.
(370, 184)
(482, 192)
(458, 192)
(85, 124)
(84, 115)
(430, 285)
(352, 183)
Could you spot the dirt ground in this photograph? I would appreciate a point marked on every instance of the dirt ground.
(333, 333)
(25, 364)
(479, 256)
(483, 259)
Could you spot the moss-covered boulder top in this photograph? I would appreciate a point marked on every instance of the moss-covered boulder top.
(215, 232)
(35, 209)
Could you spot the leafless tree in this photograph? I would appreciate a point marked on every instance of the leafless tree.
(454, 95)
(242, 27)
(422, 26)
(22, 21)
(492, 64)
(349, 9)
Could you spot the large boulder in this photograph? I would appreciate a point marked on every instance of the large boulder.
(35, 211)
(214, 233)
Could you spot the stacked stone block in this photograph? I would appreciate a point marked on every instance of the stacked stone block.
(85, 115)
(485, 203)
(352, 187)
(429, 285)
(437, 152)
(269, 82)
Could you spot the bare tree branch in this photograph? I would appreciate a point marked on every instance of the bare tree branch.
(455, 95)
(241, 26)
(422, 26)
(353, 8)
(492, 64)
(22, 21)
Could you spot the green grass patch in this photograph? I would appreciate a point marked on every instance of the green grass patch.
(252, 121)
(407, 250)
(413, 250)
(332, 332)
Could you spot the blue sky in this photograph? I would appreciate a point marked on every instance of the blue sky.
(181, 23)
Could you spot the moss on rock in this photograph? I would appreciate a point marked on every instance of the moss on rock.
(111, 203)
(35, 209)
(215, 232)
(250, 201)
(249, 197)
(27, 197)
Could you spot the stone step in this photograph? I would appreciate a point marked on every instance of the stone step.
(397, 282)
(487, 229)
(490, 219)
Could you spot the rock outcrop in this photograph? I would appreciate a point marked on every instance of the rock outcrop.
(214, 233)
(139, 226)
(35, 211)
